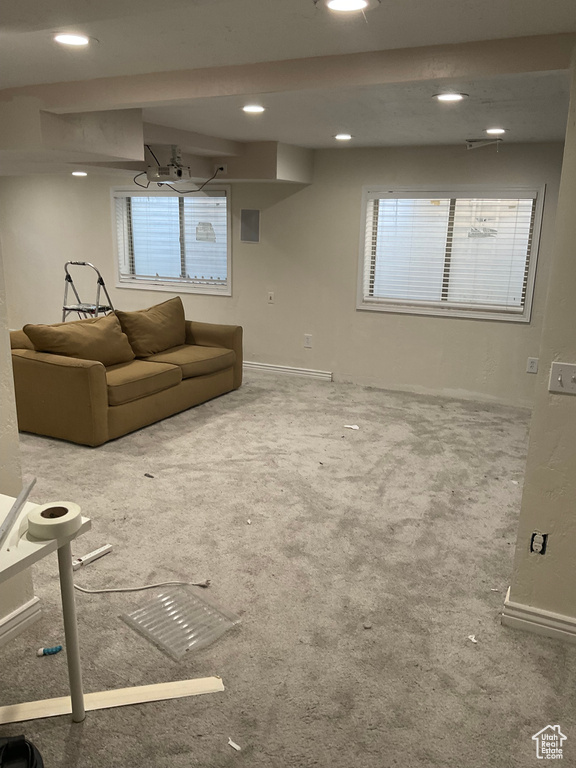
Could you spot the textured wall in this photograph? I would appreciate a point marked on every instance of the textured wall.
(308, 255)
(10, 481)
(19, 589)
(549, 500)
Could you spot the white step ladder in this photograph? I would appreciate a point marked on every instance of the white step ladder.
(84, 309)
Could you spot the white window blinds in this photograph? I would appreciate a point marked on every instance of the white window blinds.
(154, 246)
(450, 254)
(167, 238)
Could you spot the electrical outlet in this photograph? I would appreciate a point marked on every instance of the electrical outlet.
(532, 365)
(221, 168)
(308, 341)
(270, 297)
(538, 543)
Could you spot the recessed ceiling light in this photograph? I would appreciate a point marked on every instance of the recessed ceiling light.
(450, 96)
(253, 108)
(343, 136)
(347, 5)
(79, 173)
(72, 39)
(495, 131)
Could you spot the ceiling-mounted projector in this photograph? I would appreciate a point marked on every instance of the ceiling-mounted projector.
(168, 174)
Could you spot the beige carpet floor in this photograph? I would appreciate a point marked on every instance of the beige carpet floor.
(370, 557)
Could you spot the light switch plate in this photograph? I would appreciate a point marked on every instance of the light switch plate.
(563, 378)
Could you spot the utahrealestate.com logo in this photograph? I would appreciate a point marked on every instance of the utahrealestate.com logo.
(549, 743)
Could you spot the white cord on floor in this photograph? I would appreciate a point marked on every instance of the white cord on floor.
(146, 586)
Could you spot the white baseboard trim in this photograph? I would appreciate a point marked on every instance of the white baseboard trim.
(19, 620)
(538, 621)
(286, 369)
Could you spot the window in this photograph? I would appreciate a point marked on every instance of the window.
(465, 253)
(168, 241)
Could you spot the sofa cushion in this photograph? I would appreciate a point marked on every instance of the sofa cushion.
(131, 381)
(98, 338)
(196, 361)
(155, 329)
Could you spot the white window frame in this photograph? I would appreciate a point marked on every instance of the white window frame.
(453, 310)
(176, 285)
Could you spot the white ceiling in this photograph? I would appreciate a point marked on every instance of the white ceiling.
(136, 38)
(532, 107)
(139, 36)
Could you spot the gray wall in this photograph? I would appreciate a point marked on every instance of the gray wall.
(550, 482)
(308, 256)
(18, 590)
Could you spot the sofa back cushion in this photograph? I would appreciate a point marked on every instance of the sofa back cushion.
(155, 329)
(99, 338)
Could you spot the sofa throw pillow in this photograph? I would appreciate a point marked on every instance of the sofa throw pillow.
(155, 329)
(99, 338)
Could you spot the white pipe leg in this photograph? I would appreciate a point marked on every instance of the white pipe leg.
(71, 632)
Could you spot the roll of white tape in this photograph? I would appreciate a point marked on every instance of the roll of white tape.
(55, 520)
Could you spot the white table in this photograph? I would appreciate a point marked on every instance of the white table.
(19, 552)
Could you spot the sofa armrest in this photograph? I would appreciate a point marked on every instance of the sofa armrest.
(61, 396)
(19, 340)
(214, 335)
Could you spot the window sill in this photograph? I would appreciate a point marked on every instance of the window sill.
(434, 311)
(175, 287)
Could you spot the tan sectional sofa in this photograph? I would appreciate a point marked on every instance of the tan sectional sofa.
(94, 380)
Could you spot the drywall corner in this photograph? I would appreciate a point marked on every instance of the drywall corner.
(18, 591)
(543, 582)
(294, 164)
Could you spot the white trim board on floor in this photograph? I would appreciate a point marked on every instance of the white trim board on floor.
(121, 697)
(538, 621)
(286, 369)
(19, 620)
